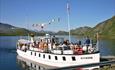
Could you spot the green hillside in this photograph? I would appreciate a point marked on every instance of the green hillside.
(9, 30)
(82, 31)
(106, 28)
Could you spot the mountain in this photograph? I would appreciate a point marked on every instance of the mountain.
(6, 29)
(106, 29)
(62, 33)
(9, 30)
(81, 30)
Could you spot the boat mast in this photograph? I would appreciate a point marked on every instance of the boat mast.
(68, 18)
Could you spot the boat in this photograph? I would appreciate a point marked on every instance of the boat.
(57, 52)
(32, 65)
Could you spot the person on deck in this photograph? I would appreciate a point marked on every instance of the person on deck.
(87, 42)
(66, 42)
(78, 50)
(79, 42)
(41, 45)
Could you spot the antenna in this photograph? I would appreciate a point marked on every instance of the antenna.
(26, 22)
(68, 18)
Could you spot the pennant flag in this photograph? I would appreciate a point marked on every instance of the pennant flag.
(49, 22)
(36, 25)
(58, 19)
(53, 20)
(33, 25)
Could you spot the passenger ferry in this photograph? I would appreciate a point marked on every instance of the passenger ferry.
(54, 51)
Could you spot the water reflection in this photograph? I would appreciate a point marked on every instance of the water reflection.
(26, 64)
(30, 65)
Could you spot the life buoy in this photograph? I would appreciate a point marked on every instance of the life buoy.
(90, 50)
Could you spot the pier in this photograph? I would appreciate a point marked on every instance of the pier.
(108, 57)
(107, 63)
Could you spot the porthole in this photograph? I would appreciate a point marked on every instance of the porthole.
(64, 59)
(56, 58)
(39, 55)
(44, 56)
(35, 54)
(73, 59)
(31, 53)
(49, 57)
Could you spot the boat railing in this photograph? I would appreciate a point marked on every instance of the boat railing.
(50, 44)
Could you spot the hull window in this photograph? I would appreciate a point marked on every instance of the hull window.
(35, 54)
(31, 64)
(49, 57)
(73, 59)
(56, 58)
(39, 55)
(35, 66)
(44, 56)
(31, 53)
(64, 59)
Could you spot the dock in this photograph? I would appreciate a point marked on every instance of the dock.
(109, 66)
(108, 57)
(107, 63)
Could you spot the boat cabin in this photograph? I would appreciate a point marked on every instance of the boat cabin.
(55, 45)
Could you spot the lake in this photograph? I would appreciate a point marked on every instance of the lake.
(10, 60)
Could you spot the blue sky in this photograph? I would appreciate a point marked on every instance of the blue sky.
(24, 13)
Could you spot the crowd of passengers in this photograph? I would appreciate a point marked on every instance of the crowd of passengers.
(77, 48)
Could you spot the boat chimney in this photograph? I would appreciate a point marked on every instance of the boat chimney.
(47, 35)
(97, 36)
(32, 37)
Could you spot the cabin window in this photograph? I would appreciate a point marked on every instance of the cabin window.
(39, 68)
(49, 57)
(35, 54)
(73, 59)
(44, 56)
(31, 53)
(39, 55)
(56, 58)
(64, 58)
(35, 66)
(31, 64)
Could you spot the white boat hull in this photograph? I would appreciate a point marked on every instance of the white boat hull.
(44, 58)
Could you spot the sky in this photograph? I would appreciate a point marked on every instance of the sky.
(25, 13)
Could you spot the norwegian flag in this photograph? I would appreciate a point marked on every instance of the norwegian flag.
(68, 8)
